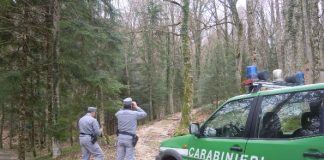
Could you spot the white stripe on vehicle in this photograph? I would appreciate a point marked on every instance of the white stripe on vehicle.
(182, 152)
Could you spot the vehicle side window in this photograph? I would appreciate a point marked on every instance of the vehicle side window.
(229, 121)
(290, 115)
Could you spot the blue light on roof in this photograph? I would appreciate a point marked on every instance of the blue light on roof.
(300, 77)
(251, 72)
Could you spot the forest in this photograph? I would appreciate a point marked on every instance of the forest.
(58, 57)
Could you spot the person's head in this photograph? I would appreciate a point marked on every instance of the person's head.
(92, 111)
(315, 107)
(127, 102)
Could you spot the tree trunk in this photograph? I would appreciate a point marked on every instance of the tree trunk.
(170, 75)
(307, 41)
(300, 56)
(226, 26)
(11, 126)
(53, 73)
(315, 38)
(71, 133)
(49, 91)
(250, 12)
(2, 124)
(290, 37)
(100, 101)
(197, 39)
(197, 15)
(227, 49)
(238, 55)
(32, 133)
(151, 68)
(265, 55)
(279, 37)
(151, 100)
(273, 64)
(102, 115)
(23, 64)
(188, 79)
(31, 119)
(171, 68)
(126, 69)
(303, 29)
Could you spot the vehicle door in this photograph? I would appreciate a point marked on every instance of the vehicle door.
(223, 135)
(288, 127)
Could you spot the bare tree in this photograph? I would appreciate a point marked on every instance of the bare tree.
(188, 79)
(279, 36)
(2, 120)
(250, 12)
(239, 29)
(188, 76)
(196, 33)
(290, 36)
(171, 61)
(53, 71)
(23, 63)
(315, 38)
(300, 55)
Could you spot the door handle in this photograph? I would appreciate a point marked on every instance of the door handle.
(235, 148)
(314, 154)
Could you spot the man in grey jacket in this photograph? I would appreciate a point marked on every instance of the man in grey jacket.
(89, 131)
(127, 124)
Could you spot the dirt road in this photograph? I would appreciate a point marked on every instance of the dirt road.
(152, 134)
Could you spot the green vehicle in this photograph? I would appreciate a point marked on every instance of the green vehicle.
(286, 123)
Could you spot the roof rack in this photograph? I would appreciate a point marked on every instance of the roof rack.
(275, 85)
(258, 81)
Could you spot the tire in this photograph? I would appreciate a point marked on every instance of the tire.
(170, 155)
(169, 158)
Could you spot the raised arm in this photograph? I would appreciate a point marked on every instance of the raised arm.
(140, 112)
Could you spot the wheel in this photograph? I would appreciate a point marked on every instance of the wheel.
(169, 158)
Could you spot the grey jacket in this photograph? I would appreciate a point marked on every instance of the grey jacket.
(127, 120)
(89, 125)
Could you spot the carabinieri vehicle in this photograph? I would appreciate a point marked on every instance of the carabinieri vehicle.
(286, 123)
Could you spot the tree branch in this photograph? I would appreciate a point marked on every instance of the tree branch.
(140, 31)
(206, 26)
(170, 25)
(176, 34)
(213, 25)
(224, 3)
(174, 2)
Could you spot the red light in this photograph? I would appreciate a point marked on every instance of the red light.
(247, 82)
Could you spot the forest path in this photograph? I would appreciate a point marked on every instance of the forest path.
(8, 155)
(150, 136)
